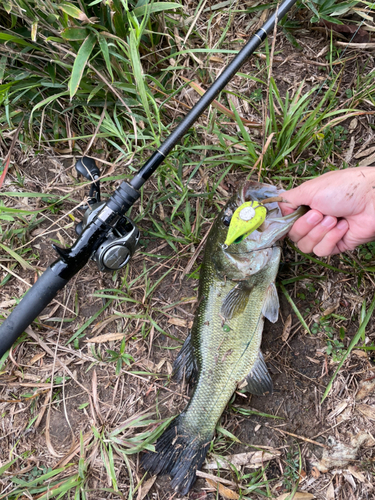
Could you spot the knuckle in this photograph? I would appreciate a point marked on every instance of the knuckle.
(305, 246)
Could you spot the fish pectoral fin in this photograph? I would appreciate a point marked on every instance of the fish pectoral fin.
(271, 304)
(236, 300)
(258, 381)
(185, 366)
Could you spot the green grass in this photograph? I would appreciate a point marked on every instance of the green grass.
(104, 78)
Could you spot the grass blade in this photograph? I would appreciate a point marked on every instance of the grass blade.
(294, 307)
(80, 63)
(353, 343)
(17, 257)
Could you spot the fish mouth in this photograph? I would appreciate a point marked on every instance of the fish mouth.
(249, 251)
(257, 191)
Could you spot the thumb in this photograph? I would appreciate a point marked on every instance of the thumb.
(301, 195)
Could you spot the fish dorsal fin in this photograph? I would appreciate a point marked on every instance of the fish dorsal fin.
(271, 304)
(185, 366)
(258, 381)
(236, 300)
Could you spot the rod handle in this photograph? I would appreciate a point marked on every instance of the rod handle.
(31, 305)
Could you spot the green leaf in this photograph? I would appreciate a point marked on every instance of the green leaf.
(105, 51)
(80, 63)
(17, 257)
(155, 7)
(7, 6)
(138, 73)
(75, 34)
(3, 63)
(15, 39)
(6, 466)
(73, 11)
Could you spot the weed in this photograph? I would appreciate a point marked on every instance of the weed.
(330, 10)
(335, 347)
(120, 358)
(291, 473)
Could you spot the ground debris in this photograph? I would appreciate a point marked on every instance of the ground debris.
(299, 495)
(339, 455)
(253, 459)
(366, 387)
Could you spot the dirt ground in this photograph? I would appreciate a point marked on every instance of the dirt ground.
(44, 430)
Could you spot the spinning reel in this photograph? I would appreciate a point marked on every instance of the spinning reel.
(121, 242)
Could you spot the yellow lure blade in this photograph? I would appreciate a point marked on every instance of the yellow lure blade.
(246, 219)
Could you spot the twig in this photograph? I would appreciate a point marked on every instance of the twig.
(303, 438)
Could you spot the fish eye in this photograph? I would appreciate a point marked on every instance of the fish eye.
(227, 216)
(226, 220)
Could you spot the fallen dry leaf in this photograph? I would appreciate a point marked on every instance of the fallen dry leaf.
(145, 488)
(339, 409)
(36, 358)
(216, 479)
(331, 309)
(223, 490)
(315, 473)
(356, 473)
(355, 34)
(180, 322)
(361, 354)
(107, 337)
(349, 479)
(366, 387)
(299, 495)
(366, 152)
(7, 303)
(252, 459)
(330, 493)
(340, 454)
(217, 59)
(286, 329)
(367, 410)
(367, 161)
(313, 360)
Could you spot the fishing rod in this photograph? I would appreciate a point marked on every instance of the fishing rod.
(106, 235)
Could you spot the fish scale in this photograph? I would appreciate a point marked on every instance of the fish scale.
(236, 293)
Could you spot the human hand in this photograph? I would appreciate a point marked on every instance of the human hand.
(342, 214)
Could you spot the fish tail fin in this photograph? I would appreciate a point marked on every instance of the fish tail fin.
(179, 454)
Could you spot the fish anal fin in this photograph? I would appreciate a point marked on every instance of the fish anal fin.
(185, 366)
(236, 300)
(271, 304)
(258, 381)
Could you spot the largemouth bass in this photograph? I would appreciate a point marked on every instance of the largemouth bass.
(236, 292)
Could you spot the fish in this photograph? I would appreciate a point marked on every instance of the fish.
(222, 352)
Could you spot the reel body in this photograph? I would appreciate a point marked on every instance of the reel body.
(122, 239)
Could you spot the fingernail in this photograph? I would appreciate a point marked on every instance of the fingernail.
(328, 221)
(343, 224)
(313, 218)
